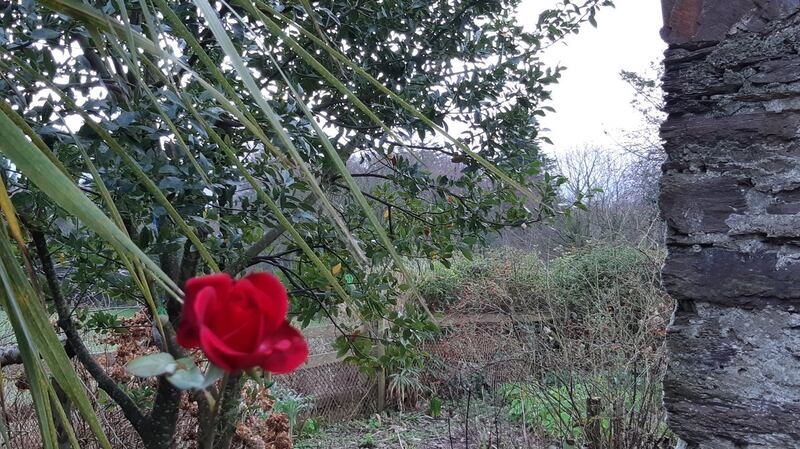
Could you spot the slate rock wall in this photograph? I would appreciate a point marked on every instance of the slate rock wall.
(731, 197)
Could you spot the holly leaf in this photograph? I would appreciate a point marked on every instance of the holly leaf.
(45, 34)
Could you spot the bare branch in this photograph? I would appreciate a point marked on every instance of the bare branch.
(104, 381)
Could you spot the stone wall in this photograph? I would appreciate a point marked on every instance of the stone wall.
(731, 197)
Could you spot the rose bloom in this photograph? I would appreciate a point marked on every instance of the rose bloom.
(241, 324)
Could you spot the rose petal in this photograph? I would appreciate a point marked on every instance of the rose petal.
(187, 334)
(241, 330)
(193, 316)
(287, 350)
(221, 282)
(224, 356)
(204, 303)
(267, 293)
(241, 324)
(237, 323)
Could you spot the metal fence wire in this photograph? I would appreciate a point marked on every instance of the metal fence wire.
(476, 351)
(333, 391)
(472, 350)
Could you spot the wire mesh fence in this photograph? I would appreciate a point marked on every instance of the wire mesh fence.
(330, 390)
(22, 426)
(472, 350)
(477, 350)
(333, 391)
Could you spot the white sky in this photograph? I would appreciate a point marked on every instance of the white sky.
(591, 99)
(592, 102)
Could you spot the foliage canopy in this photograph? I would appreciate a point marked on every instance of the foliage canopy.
(222, 136)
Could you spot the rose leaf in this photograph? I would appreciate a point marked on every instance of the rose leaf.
(213, 374)
(187, 377)
(152, 365)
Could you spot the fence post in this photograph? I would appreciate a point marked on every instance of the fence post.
(593, 429)
(380, 381)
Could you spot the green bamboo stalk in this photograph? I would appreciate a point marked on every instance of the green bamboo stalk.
(132, 65)
(62, 190)
(215, 24)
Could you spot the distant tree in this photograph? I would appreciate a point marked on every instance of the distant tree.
(645, 143)
(617, 206)
(623, 179)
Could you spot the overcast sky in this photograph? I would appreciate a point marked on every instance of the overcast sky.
(591, 99)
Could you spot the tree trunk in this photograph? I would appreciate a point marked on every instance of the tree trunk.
(731, 197)
(62, 433)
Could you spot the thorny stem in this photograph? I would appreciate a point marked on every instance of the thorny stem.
(206, 432)
(228, 411)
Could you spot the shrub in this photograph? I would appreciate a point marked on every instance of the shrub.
(592, 369)
(406, 387)
(508, 276)
(290, 403)
(609, 411)
(506, 280)
(604, 274)
(439, 287)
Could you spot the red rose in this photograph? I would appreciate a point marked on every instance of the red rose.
(241, 324)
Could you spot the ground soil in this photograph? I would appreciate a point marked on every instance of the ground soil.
(453, 429)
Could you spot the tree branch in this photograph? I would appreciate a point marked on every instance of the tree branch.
(11, 355)
(188, 266)
(244, 261)
(230, 398)
(163, 417)
(104, 381)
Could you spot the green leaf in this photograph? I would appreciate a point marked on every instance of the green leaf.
(45, 34)
(216, 27)
(399, 100)
(34, 371)
(188, 376)
(126, 158)
(333, 155)
(435, 407)
(4, 428)
(39, 343)
(34, 164)
(152, 365)
(213, 374)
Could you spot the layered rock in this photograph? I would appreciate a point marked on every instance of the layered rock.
(731, 197)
